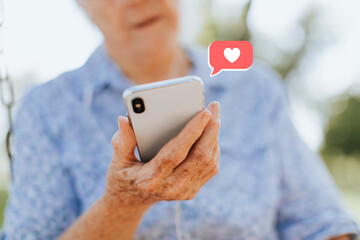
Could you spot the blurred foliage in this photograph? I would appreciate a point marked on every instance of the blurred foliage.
(3, 198)
(213, 31)
(239, 31)
(342, 137)
(341, 145)
(343, 130)
(289, 61)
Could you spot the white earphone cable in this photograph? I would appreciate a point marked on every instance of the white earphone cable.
(175, 72)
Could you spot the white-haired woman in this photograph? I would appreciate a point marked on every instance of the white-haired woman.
(75, 179)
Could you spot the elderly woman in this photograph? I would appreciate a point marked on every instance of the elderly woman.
(75, 179)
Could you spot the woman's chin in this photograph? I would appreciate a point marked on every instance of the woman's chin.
(155, 43)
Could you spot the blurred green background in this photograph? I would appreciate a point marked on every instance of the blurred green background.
(3, 197)
(340, 112)
(313, 45)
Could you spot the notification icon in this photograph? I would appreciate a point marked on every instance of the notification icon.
(230, 56)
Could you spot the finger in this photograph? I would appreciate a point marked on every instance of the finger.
(203, 148)
(191, 180)
(216, 153)
(191, 166)
(124, 143)
(209, 176)
(210, 136)
(176, 150)
(213, 168)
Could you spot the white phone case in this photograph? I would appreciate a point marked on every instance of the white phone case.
(169, 106)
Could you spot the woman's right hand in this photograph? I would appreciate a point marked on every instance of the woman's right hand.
(177, 172)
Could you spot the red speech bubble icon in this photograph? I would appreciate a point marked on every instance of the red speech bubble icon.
(230, 56)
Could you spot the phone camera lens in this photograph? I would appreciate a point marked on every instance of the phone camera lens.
(138, 105)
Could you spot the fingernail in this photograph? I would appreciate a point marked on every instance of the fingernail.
(121, 119)
(207, 113)
(217, 107)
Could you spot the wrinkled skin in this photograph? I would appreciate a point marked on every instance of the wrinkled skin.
(177, 172)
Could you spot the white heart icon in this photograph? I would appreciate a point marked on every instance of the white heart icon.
(232, 54)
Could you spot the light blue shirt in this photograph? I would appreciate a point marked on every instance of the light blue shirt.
(270, 186)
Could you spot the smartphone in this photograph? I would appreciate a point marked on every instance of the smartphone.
(158, 111)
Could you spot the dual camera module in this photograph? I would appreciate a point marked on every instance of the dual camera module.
(138, 105)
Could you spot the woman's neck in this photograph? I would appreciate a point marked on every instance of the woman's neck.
(153, 65)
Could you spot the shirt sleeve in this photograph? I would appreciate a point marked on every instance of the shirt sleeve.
(42, 203)
(310, 204)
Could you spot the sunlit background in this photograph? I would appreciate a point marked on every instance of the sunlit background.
(313, 44)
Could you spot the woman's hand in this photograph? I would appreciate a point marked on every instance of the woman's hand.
(177, 172)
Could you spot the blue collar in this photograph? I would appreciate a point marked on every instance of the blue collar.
(102, 72)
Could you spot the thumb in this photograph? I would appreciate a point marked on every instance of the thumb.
(124, 143)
